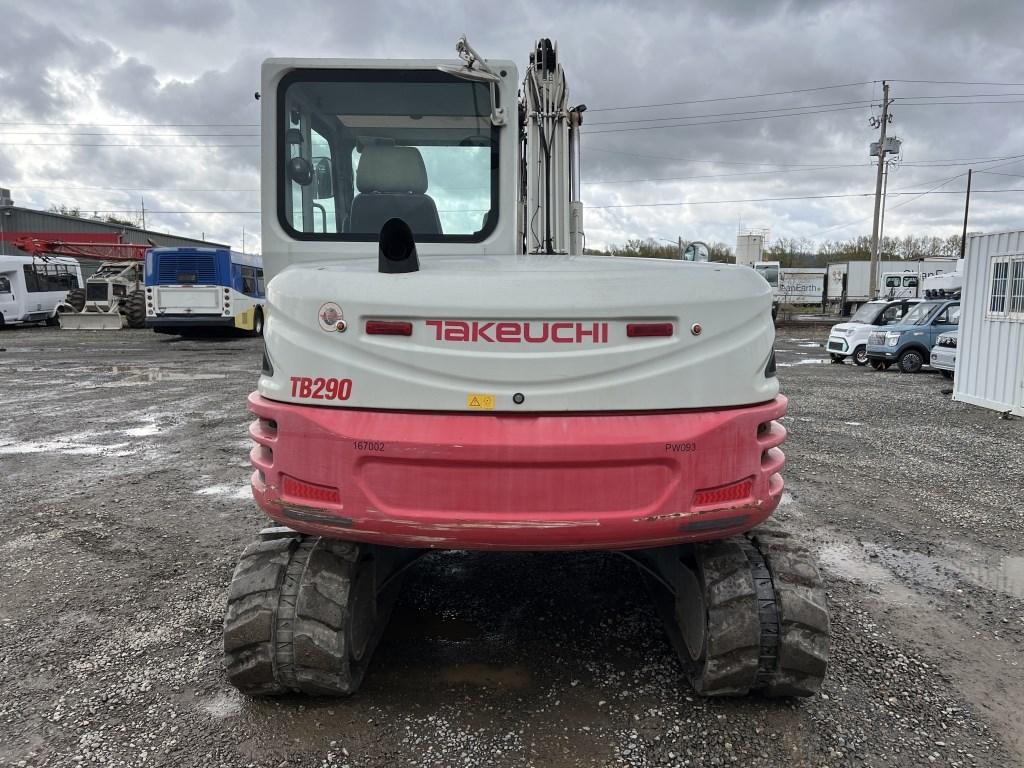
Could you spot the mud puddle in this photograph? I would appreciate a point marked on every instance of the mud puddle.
(885, 567)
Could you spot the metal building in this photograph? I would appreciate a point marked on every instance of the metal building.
(15, 222)
(990, 349)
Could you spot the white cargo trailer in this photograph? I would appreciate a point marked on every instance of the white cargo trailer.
(849, 286)
(801, 285)
(990, 346)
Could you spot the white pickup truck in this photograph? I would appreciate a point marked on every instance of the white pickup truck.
(850, 339)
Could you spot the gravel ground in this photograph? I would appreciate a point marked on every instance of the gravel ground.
(124, 502)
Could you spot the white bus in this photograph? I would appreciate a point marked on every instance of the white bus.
(32, 290)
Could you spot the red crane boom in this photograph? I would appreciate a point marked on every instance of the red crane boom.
(37, 246)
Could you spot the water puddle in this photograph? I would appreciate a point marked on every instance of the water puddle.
(146, 373)
(885, 567)
(83, 444)
(151, 425)
(1006, 575)
(810, 345)
(853, 423)
(487, 675)
(229, 491)
(814, 361)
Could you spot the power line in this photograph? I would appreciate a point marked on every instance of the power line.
(720, 122)
(136, 189)
(956, 82)
(997, 173)
(954, 103)
(957, 96)
(120, 133)
(137, 125)
(726, 175)
(139, 146)
(797, 197)
(733, 98)
(90, 209)
(1013, 160)
(862, 102)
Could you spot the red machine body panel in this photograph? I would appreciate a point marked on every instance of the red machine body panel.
(504, 481)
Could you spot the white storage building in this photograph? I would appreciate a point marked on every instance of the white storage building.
(990, 350)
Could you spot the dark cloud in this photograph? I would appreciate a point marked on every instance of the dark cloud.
(195, 62)
(192, 16)
(37, 61)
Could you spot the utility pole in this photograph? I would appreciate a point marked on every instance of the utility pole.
(967, 207)
(680, 247)
(143, 200)
(885, 191)
(878, 187)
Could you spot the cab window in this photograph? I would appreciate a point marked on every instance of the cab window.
(5, 285)
(361, 147)
(949, 316)
(891, 315)
(892, 281)
(910, 282)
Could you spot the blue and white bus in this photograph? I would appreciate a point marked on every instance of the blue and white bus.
(192, 289)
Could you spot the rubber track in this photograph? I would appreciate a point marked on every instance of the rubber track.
(803, 640)
(286, 624)
(730, 663)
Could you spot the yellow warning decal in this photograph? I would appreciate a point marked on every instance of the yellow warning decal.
(480, 402)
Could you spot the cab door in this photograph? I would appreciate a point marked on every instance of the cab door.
(947, 320)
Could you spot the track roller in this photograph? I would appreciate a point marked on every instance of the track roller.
(744, 614)
(305, 613)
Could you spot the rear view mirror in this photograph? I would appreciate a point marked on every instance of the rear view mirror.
(323, 177)
(300, 171)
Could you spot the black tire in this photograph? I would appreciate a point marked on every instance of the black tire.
(53, 322)
(910, 360)
(302, 616)
(947, 375)
(837, 359)
(135, 309)
(860, 355)
(257, 322)
(803, 622)
(877, 365)
(76, 299)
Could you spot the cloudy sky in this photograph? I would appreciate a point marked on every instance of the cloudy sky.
(130, 100)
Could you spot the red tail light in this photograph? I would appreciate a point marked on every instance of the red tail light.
(724, 494)
(388, 328)
(299, 489)
(634, 330)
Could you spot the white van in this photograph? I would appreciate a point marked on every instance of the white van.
(32, 289)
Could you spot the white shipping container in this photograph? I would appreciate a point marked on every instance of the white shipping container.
(990, 348)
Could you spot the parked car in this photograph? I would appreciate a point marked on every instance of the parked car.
(943, 355)
(909, 343)
(850, 339)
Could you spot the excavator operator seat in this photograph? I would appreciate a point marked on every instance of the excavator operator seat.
(392, 183)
